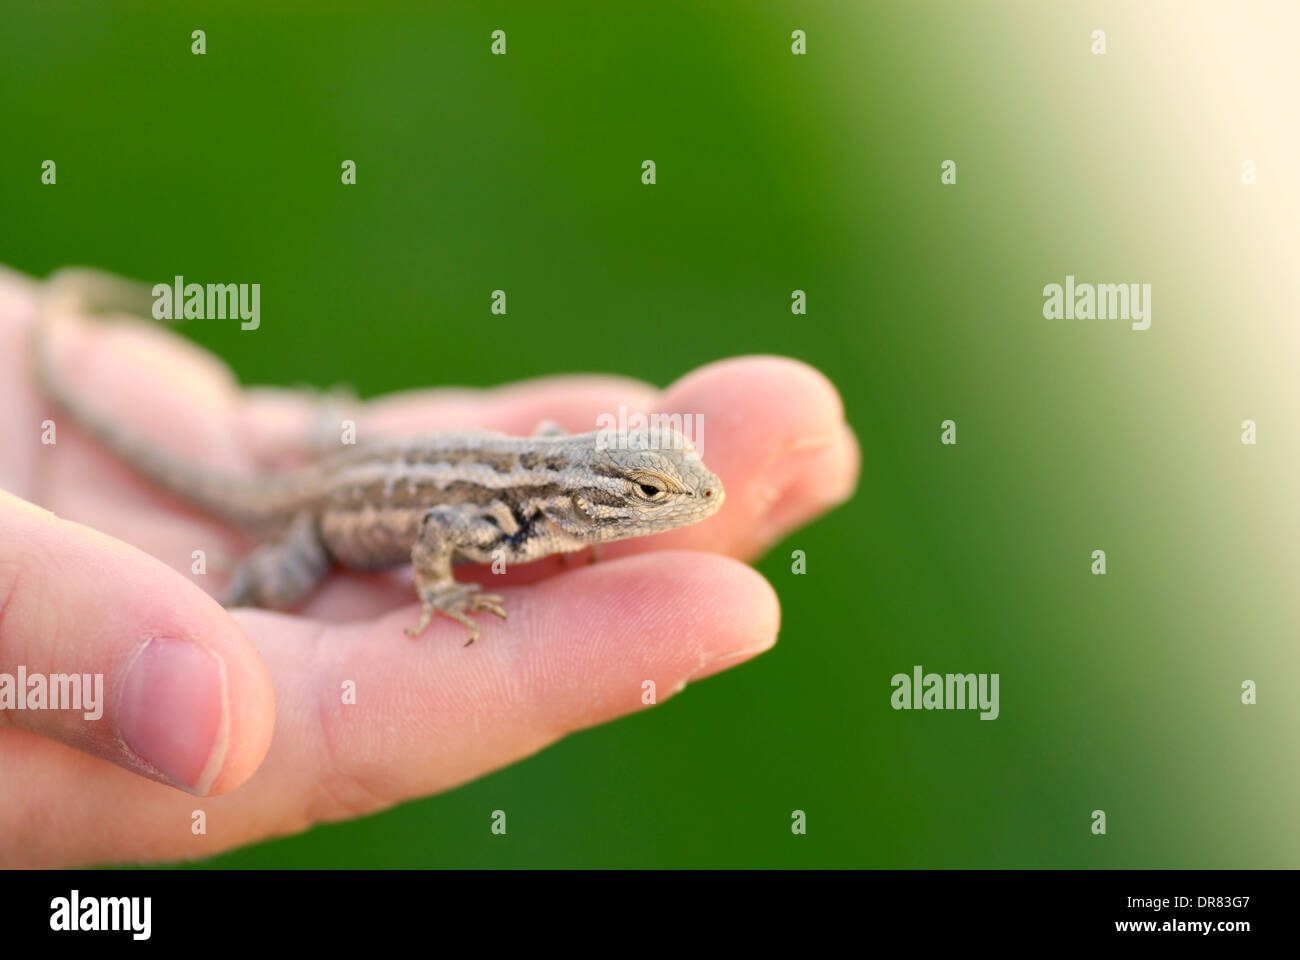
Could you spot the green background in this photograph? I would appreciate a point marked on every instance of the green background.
(775, 172)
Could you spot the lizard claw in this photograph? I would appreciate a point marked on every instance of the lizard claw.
(490, 602)
(456, 600)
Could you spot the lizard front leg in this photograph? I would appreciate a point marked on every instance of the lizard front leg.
(444, 531)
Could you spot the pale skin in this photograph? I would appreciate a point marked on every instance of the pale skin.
(84, 586)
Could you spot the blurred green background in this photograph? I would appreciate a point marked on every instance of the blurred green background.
(778, 172)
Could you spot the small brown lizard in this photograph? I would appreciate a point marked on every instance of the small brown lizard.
(429, 501)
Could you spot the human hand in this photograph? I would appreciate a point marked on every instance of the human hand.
(194, 693)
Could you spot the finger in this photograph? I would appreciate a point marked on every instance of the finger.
(575, 652)
(429, 713)
(104, 649)
(18, 445)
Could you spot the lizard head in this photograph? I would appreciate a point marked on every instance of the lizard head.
(648, 482)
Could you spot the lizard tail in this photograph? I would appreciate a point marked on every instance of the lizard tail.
(251, 503)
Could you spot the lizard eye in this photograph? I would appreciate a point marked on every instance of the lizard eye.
(651, 487)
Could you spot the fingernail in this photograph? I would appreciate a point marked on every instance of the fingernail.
(173, 711)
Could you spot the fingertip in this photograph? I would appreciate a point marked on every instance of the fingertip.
(806, 480)
(135, 664)
(667, 618)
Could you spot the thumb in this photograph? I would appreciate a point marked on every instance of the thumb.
(105, 649)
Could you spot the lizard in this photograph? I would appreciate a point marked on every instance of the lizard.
(430, 501)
